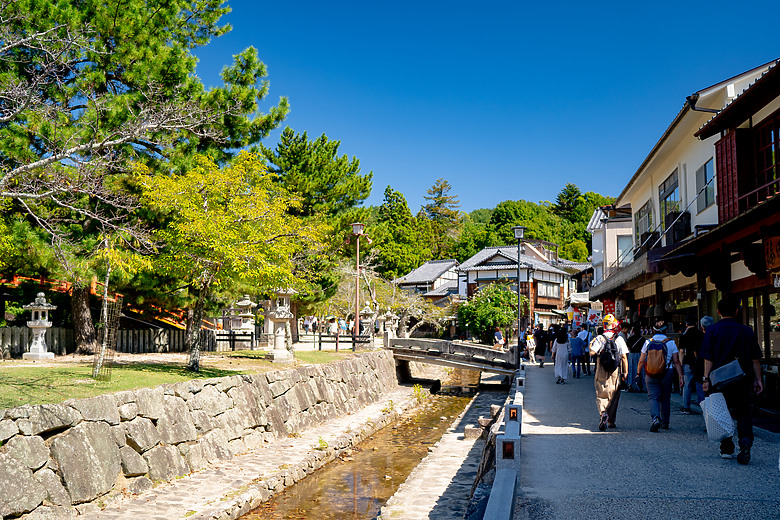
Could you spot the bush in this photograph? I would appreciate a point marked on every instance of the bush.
(493, 306)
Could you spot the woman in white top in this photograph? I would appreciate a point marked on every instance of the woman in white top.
(560, 352)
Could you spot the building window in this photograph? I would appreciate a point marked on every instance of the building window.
(624, 248)
(549, 290)
(669, 197)
(705, 187)
(643, 221)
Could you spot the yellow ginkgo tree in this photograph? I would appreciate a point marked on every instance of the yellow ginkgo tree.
(226, 225)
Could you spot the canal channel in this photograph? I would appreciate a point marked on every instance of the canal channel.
(357, 484)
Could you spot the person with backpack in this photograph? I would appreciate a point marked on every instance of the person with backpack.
(611, 370)
(660, 361)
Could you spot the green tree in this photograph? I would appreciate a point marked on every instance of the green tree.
(569, 198)
(327, 184)
(495, 305)
(442, 211)
(226, 224)
(87, 86)
(401, 241)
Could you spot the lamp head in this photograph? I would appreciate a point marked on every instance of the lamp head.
(519, 232)
(357, 228)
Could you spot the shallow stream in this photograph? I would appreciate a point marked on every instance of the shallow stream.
(359, 483)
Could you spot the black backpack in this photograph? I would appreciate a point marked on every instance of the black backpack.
(609, 356)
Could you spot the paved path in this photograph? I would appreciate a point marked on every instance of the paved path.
(225, 490)
(438, 488)
(571, 470)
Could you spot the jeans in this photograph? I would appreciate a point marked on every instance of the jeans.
(659, 393)
(688, 388)
(576, 366)
(633, 362)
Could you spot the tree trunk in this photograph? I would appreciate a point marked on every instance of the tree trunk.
(194, 324)
(83, 328)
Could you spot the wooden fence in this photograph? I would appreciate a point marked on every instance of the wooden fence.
(14, 341)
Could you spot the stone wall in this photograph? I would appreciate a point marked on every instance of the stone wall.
(76, 452)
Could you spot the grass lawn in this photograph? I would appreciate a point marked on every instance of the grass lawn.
(27, 383)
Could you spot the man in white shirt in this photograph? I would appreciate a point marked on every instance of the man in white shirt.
(659, 387)
(608, 382)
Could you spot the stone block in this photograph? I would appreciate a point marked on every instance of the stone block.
(226, 383)
(195, 458)
(8, 429)
(214, 446)
(56, 494)
(45, 418)
(165, 463)
(52, 513)
(175, 424)
(138, 485)
(231, 423)
(279, 387)
(128, 411)
(118, 432)
(20, 492)
(245, 400)
(100, 408)
(472, 432)
(237, 446)
(211, 401)
(141, 435)
(88, 460)
(202, 421)
(150, 402)
(133, 464)
(29, 450)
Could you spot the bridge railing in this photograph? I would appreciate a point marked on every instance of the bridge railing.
(468, 350)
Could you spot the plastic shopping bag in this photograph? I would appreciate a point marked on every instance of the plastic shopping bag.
(717, 417)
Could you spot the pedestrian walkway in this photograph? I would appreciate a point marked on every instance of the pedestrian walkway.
(571, 470)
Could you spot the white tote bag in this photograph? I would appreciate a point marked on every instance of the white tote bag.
(717, 417)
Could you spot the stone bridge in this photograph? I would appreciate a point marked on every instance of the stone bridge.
(452, 354)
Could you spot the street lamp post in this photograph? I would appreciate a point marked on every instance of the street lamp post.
(357, 232)
(519, 231)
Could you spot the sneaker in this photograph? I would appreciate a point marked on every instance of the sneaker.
(612, 425)
(744, 454)
(665, 426)
(656, 425)
(563, 381)
(686, 411)
(603, 422)
(727, 456)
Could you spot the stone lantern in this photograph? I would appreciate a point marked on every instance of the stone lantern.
(245, 320)
(381, 319)
(391, 323)
(281, 317)
(39, 323)
(367, 319)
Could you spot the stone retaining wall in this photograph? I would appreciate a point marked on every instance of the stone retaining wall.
(76, 452)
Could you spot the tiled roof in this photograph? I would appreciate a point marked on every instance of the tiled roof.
(510, 252)
(443, 290)
(428, 272)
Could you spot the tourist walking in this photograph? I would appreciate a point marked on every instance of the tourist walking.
(661, 361)
(498, 339)
(724, 342)
(586, 338)
(577, 353)
(690, 348)
(611, 369)
(560, 353)
(635, 343)
(540, 338)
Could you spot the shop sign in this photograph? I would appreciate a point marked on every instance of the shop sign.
(772, 252)
(609, 306)
(594, 317)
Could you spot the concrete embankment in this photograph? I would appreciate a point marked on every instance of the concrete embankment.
(440, 486)
(199, 449)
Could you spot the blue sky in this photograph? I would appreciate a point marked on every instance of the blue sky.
(505, 100)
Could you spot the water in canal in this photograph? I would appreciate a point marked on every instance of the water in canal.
(356, 486)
